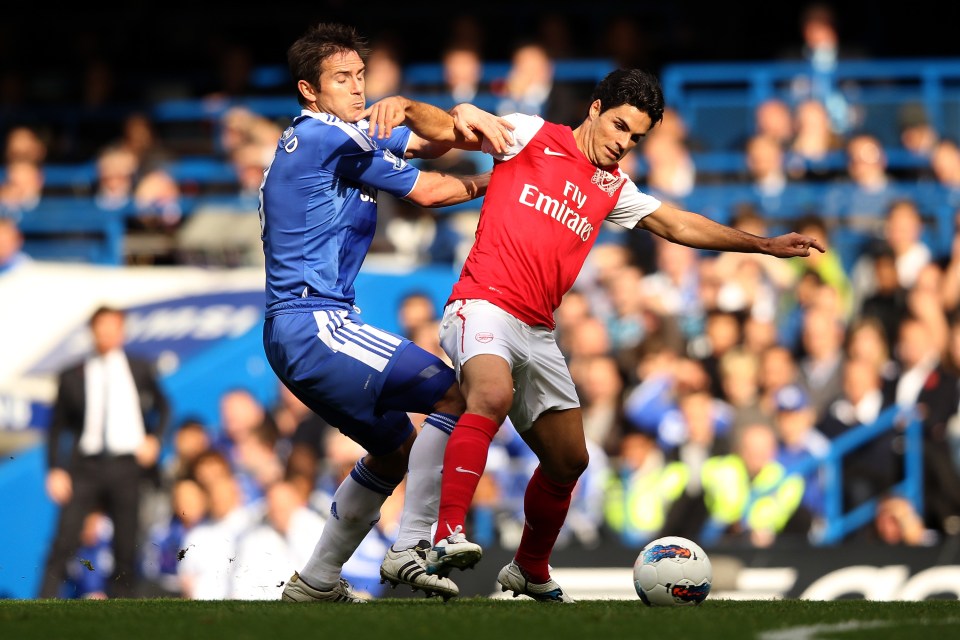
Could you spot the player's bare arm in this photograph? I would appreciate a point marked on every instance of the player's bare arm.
(697, 231)
(437, 189)
(463, 127)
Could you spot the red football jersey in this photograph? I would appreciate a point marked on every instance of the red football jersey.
(540, 217)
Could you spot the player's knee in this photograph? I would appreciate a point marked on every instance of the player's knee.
(452, 402)
(566, 468)
(491, 399)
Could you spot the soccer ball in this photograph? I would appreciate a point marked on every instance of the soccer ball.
(672, 571)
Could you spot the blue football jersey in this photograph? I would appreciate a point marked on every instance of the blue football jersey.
(318, 207)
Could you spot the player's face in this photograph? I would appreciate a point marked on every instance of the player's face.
(614, 132)
(341, 90)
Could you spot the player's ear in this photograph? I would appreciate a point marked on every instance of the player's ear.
(307, 91)
(594, 109)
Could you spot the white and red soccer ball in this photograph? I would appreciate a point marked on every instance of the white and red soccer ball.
(672, 571)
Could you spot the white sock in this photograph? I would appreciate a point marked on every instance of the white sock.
(354, 511)
(421, 498)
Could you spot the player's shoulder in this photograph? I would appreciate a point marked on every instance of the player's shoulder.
(327, 129)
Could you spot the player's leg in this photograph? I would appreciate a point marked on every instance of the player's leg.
(66, 541)
(483, 342)
(122, 488)
(547, 395)
(336, 365)
(356, 504)
(419, 382)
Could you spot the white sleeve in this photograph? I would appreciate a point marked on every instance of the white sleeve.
(526, 127)
(633, 205)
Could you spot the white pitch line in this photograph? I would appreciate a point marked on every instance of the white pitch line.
(811, 632)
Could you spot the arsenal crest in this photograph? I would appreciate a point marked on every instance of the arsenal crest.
(607, 182)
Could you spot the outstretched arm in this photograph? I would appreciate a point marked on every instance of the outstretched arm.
(464, 127)
(694, 230)
(436, 189)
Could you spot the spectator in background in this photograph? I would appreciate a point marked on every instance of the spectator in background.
(22, 189)
(815, 143)
(225, 232)
(165, 547)
(25, 143)
(246, 437)
(139, 136)
(113, 405)
(867, 340)
(777, 369)
(671, 172)
(362, 569)
(732, 497)
(12, 255)
(210, 548)
(903, 231)
(384, 74)
(897, 523)
(865, 194)
(754, 284)
(627, 322)
(462, 72)
(773, 118)
(767, 176)
(600, 385)
(156, 215)
(415, 308)
(822, 48)
(722, 332)
(672, 291)
(419, 236)
(116, 176)
(918, 138)
(829, 266)
(800, 441)
(642, 486)
(530, 88)
(821, 363)
(926, 385)
(301, 434)
(190, 440)
(210, 466)
(887, 304)
(873, 468)
(89, 571)
(945, 165)
(270, 549)
(739, 378)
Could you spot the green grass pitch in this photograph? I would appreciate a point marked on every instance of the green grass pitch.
(475, 618)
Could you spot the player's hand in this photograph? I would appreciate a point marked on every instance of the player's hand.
(148, 452)
(474, 123)
(792, 245)
(384, 115)
(59, 486)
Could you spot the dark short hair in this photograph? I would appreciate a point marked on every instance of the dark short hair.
(103, 310)
(306, 55)
(635, 87)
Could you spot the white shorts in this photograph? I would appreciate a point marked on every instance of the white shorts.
(541, 378)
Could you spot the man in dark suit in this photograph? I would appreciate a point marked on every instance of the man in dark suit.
(113, 406)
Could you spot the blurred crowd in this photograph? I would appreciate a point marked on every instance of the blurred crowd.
(705, 379)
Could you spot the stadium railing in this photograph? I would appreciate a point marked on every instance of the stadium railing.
(717, 99)
(838, 524)
(90, 234)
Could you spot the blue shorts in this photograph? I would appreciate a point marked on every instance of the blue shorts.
(360, 379)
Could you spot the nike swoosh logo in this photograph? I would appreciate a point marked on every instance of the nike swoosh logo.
(547, 151)
(462, 470)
